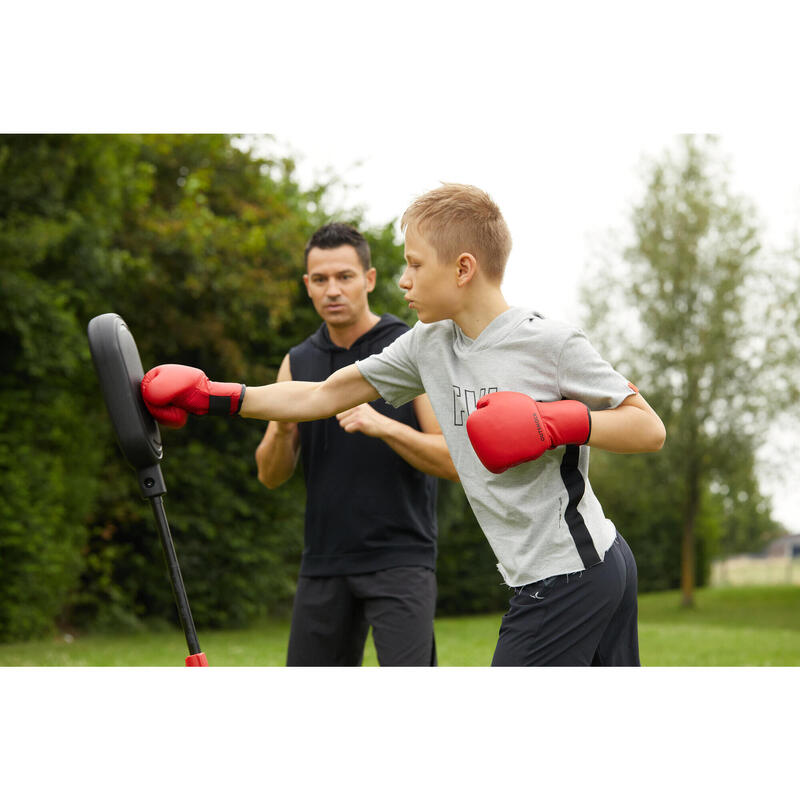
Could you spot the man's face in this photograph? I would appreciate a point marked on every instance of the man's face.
(428, 283)
(337, 285)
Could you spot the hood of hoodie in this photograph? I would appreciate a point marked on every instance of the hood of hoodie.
(495, 332)
(361, 347)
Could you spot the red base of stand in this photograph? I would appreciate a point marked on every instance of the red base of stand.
(197, 660)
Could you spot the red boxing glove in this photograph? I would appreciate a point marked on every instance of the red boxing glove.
(509, 428)
(171, 390)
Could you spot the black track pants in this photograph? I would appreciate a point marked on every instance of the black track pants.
(587, 618)
(332, 615)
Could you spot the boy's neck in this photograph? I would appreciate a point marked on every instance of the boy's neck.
(476, 315)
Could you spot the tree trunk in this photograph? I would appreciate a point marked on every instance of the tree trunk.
(687, 563)
(688, 548)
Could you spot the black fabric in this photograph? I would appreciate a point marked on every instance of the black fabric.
(332, 615)
(219, 406)
(366, 508)
(587, 618)
(576, 486)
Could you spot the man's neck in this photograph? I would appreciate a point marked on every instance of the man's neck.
(344, 335)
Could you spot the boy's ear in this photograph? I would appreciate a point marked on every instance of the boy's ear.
(466, 268)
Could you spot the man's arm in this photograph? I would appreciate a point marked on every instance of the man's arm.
(276, 456)
(425, 449)
(631, 427)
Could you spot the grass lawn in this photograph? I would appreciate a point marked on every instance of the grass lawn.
(737, 626)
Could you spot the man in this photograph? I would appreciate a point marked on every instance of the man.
(370, 525)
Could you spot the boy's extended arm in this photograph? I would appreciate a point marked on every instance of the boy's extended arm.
(301, 401)
(172, 391)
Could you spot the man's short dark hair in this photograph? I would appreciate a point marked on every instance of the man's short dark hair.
(336, 234)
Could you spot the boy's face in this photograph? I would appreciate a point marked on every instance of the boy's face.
(338, 285)
(428, 283)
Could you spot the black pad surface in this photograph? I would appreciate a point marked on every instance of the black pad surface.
(119, 369)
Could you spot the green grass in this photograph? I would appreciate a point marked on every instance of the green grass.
(737, 626)
(754, 626)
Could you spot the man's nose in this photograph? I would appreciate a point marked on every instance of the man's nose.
(404, 282)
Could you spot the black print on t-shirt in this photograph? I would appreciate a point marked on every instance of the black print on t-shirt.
(465, 402)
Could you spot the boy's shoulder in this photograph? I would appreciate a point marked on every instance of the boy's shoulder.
(525, 323)
(553, 330)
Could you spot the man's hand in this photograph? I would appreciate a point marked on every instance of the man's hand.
(510, 428)
(171, 390)
(364, 419)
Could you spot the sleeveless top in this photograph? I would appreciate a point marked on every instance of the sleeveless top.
(367, 509)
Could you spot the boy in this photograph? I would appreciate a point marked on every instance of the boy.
(534, 392)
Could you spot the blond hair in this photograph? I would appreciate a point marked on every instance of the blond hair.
(456, 218)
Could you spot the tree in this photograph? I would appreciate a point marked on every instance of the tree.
(683, 315)
(198, 244)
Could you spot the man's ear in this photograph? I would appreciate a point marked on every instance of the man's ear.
(371, 276)
(466, 269)
(305, 281)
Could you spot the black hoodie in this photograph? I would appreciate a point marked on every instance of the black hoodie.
(366, 508)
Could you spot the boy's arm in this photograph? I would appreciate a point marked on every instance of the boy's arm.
(631, 427)
(301, 401)
(423, 449)
(171, 391)
(276, 455)
(510, 428)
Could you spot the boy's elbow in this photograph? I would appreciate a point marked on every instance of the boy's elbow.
(658, 437)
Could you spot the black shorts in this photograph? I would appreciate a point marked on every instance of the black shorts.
(331, 617)
(587, 618)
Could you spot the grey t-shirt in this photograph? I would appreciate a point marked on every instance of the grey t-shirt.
(541, 518)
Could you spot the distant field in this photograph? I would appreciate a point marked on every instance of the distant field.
(732, 626)
(751, 571)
